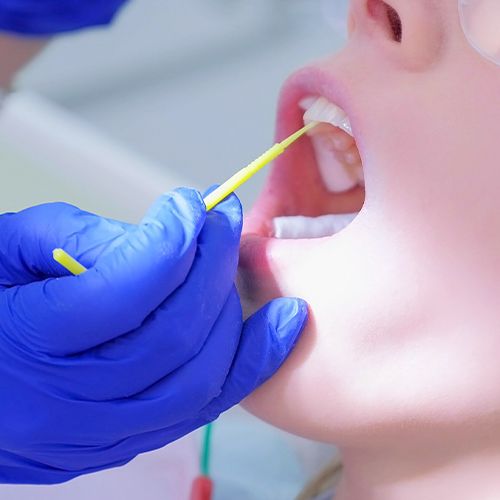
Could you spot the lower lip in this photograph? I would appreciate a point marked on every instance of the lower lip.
(253, 252)
(256, 251)
(255, 277)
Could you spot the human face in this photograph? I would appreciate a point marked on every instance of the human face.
(405, 326)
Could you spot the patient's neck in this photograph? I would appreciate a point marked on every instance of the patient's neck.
(412, 474)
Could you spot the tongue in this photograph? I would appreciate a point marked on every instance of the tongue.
(300, 227)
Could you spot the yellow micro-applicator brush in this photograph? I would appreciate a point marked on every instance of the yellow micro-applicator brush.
(68, 262)
(246, 173)
(216, 196)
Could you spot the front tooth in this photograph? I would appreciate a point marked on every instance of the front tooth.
(345, 125)
(336, 176)
(322, 110)
(307, 102)
(300, 227)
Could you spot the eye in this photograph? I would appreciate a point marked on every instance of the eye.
(395, 23)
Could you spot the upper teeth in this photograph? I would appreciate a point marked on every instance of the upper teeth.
(337, 155)
(322, 110)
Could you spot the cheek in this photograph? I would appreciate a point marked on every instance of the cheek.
(387, 392)
(364, 298)
(388, 347)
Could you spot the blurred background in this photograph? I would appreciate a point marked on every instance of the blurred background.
(173, 93)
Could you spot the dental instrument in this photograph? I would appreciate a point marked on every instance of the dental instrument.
(68, 262)
(320, 110)
(246, 173)
(216, 196)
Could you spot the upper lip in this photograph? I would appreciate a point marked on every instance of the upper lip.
(311, 81)
(275, 199)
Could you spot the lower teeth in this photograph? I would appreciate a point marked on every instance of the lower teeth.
(300, 227)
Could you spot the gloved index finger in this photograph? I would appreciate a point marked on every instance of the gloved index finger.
(71, 314)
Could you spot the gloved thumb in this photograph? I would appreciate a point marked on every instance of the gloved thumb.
(268, 338)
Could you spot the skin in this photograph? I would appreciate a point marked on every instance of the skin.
(15, 52)
(399, 365)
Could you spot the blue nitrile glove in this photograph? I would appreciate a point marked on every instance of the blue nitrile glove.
(48, 17)
(143, 348)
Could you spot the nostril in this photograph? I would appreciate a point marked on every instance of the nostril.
(388, 16)
(396, 25)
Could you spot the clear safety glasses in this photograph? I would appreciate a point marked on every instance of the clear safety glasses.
(481, 24)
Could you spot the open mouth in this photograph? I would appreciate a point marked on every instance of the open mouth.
(307, 215)
(340, 169)
(318, 188)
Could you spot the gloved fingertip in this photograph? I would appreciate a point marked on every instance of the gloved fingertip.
(231, 203)
(268, 338)
(211, 189)
(186, 203)
(232, 209)
(291, 319)
(196, 204)
(192, 195)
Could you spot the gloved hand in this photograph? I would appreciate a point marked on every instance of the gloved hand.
(143, 348)
(48, 17)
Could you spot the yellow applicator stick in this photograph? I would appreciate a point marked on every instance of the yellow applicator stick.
(246, 173)
(68, 262)
(216, 196)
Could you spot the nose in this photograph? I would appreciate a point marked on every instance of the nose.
(376, 15)
(411, 30)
